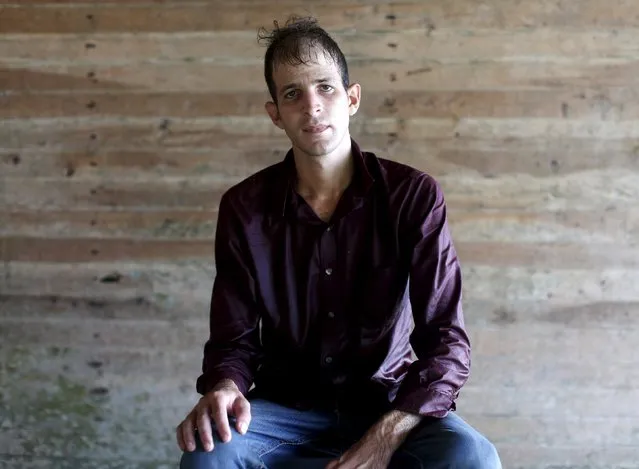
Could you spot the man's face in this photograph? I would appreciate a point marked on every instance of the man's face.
(313, 107)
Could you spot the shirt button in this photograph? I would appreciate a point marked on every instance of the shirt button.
(329, 271)
(328, 360)
(329, 228)
(331, 314)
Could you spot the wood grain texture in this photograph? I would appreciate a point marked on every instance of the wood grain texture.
(501, 254)
(541, 457)
(335, 15)
(236, 132)
(576, 285)
(590, 191)
(618, 103)
(131, 291)
(112, 194)
(549, 345)
(50, 385)
(551, 432)
(511, 285)
(445, 44)
(189, 151)
(513, 374)
(116, 280)
(162, 304)
(177, 224)
(131, 334)
(560, 312)
(620, 227)
(88, 250)
(98, 377)
(375, 75)
(568, 402)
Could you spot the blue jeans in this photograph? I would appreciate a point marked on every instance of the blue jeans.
(285, 438)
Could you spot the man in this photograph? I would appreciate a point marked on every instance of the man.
(353, 365)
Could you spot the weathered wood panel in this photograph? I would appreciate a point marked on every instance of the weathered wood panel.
(122, 280)
(128, 280)
(502, 254)
(242, 133)
(95, 250)
(376, 75)
(546, 376)
(542, 457)
(522, 283)
(590, 191)
(94, 381)
(618, 103)
(65, 404)
(542, 344)
(335, 15)
(173, 306)
(42, 194)
(536, 157)
(131, 334)
(413, 45)
(177, 224)
(619, 227)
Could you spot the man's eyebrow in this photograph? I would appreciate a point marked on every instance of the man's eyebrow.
(295, 85)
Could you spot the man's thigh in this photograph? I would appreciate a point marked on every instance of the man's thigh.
(446, 443)
(275, 434)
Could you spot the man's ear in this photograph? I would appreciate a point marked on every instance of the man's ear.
(273, 113)
(354, 93)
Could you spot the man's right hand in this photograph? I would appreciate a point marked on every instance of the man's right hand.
(223, 400)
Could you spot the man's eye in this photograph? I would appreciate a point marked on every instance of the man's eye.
(326, 87)
(291, 94)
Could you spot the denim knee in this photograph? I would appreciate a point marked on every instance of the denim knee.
(236, 454)
(472, 451)
(461, 449)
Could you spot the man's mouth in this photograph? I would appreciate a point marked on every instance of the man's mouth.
(315, 129)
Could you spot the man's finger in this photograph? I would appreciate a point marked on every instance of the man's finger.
(180, 439)
(222, 422)
(333, 464)
(204, 429)
(188, 433)
(242, 413)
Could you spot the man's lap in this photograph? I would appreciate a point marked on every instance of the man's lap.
(281, 437)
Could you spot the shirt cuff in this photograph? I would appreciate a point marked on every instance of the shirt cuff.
(427, 403)
(207, 381)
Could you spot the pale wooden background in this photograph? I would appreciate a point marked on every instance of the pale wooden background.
(124, 121)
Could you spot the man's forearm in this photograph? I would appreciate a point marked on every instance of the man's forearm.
(394, 426)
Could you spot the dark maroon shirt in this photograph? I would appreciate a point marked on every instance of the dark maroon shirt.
(364, 311)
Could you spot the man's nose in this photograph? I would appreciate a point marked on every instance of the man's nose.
(312, 104)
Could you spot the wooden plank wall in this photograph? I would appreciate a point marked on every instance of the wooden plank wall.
(122, 122)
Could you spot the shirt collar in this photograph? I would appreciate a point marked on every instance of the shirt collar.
(361, 183)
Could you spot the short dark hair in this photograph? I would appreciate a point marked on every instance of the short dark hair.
(293, 43)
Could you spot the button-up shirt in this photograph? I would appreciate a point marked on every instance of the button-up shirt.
(364, 310)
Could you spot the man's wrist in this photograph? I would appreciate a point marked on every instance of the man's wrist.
(225, 383)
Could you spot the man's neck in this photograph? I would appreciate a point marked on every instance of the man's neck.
(324, 177)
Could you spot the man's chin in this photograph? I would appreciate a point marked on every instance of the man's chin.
(316, 148)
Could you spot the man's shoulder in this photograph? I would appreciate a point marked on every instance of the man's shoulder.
(253, 192)
(403, 178)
